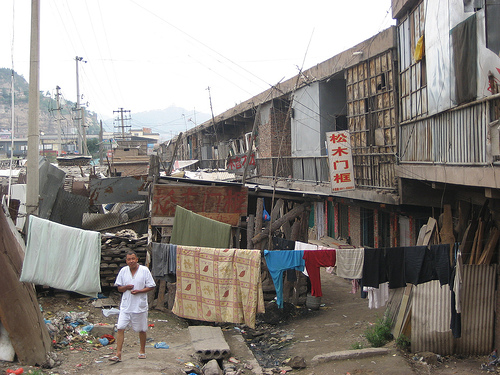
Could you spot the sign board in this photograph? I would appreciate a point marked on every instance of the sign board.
(340, 160)
(221, 203)
(236, 163)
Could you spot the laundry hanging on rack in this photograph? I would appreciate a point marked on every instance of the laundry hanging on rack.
(377, 297)
(62, 257)
(349, 263)
(314, 260)
(399, 266)
(279, 261)
(218, 285)
(191, 229)
(164, 260)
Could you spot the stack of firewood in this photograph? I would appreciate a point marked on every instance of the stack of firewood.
(114, 250)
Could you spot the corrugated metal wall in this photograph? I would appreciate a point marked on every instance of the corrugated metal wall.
(478, 311)
(431, 314)
(430, 319)
(453, 137)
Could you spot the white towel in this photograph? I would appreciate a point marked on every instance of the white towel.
(349, 263)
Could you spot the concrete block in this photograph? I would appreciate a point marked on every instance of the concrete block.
(209, 342)
(100, 330)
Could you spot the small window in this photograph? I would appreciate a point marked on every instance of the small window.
(381, 79)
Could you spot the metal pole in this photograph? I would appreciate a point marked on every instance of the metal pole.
(59, 138)
(33, 189)
(81, 129)
(84, 132)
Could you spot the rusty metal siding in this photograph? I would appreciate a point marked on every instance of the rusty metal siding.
(478, 310)
(430, 321)
(452, 137)
(431, 314)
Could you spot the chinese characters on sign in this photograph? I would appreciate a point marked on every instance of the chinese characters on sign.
(237, 163)
(340, 160)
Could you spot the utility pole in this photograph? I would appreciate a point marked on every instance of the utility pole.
(84, 132)
(100, 144)
(81, 129)
(121, 118)
(58, 119)
(213, 118)
(33, 176)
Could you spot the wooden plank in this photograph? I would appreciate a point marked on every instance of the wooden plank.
(490, 247)
(429, 229)
(295, 212)
(160, 304)
(19, 310)
(402, 311)
(480, 239)
(162, 221)
(250, 230)
(472, 258)
(276, 209)
(447, 236)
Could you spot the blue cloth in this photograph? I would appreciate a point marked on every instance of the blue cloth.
(279, 261)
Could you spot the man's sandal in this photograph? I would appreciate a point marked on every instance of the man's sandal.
(114, 359)
(142, 356)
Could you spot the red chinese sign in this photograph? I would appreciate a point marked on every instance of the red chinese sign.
(340, 160)
(237, 163)
(221, 203)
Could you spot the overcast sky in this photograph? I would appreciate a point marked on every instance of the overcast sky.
(151, 54)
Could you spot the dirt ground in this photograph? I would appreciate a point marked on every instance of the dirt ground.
(339, 324)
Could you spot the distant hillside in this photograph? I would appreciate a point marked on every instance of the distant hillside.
(48, 123)
(171, 120)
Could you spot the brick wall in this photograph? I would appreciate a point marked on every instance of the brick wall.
(355, 225)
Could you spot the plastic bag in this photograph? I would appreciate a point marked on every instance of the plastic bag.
(419, 49)
(265, 214)
(161, 345)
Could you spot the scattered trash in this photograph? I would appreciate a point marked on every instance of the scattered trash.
(161, 345)
(19, 371)
(111, 311)
(88, 328)
(233, 360)
(110, 338)
(151, 325)
(104, 341)
(162, 320)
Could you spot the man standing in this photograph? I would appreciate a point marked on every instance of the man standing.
(134, 281)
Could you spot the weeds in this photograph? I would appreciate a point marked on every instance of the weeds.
(403, 343)
(379, 334)
(356, 345)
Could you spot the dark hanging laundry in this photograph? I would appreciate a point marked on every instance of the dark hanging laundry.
(163, 265)
(395, 262)
(374, 268)
(399, 266)
(414, 260)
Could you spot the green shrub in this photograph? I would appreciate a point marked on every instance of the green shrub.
(379, 334)
(403, 343)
